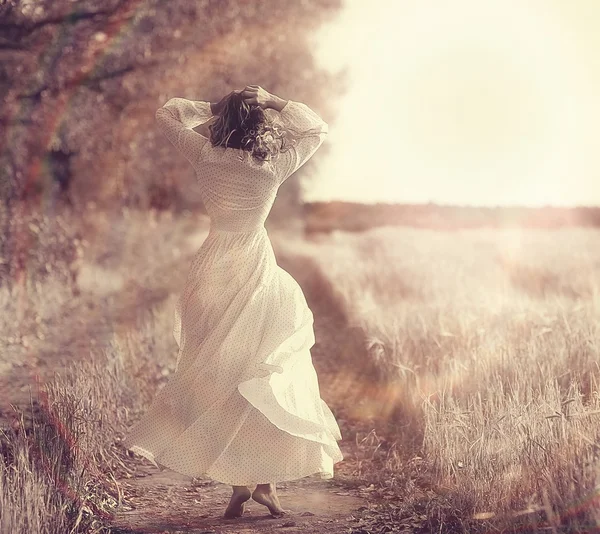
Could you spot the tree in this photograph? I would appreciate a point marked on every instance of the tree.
(80, 82)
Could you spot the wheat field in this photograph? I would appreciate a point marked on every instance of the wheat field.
(473, 362)
(482, 347)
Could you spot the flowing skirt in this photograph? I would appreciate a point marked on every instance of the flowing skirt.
(243, 406)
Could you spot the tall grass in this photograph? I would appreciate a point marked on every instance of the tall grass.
(28, 500)
(61, 458)
(483, 350)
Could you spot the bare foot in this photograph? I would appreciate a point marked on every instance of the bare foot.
(236, 505)
(266, 495)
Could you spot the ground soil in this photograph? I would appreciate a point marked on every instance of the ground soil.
(169, 502)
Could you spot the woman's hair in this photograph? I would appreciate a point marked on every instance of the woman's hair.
(247, 127)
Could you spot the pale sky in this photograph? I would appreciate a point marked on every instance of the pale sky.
(479, 102)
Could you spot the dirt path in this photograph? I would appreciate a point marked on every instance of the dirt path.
(169, 502)
(155, 501)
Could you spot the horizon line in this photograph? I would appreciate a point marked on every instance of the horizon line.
(449, 205)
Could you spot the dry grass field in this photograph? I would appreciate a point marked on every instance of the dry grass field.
(87, 345)
(483, 350)
(465, 372)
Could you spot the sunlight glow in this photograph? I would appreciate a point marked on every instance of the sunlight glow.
(464, 102)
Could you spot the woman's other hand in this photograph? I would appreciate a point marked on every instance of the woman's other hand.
(256, 95)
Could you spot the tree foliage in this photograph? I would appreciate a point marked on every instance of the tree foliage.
(80, 81)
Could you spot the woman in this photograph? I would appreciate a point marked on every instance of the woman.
(243, 406)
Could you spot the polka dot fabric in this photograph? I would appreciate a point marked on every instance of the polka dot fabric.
(243, 406)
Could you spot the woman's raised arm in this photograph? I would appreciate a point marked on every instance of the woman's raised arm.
(176, 120)
(307, 131)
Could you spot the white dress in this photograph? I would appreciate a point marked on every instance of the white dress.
(243, 406)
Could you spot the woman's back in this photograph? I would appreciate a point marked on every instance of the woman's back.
(238, 191)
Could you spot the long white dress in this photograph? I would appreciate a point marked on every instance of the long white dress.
(243, 406)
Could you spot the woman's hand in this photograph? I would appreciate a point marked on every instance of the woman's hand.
(256, 95)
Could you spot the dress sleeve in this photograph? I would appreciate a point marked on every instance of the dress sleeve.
(306, 130)
(176, 120)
